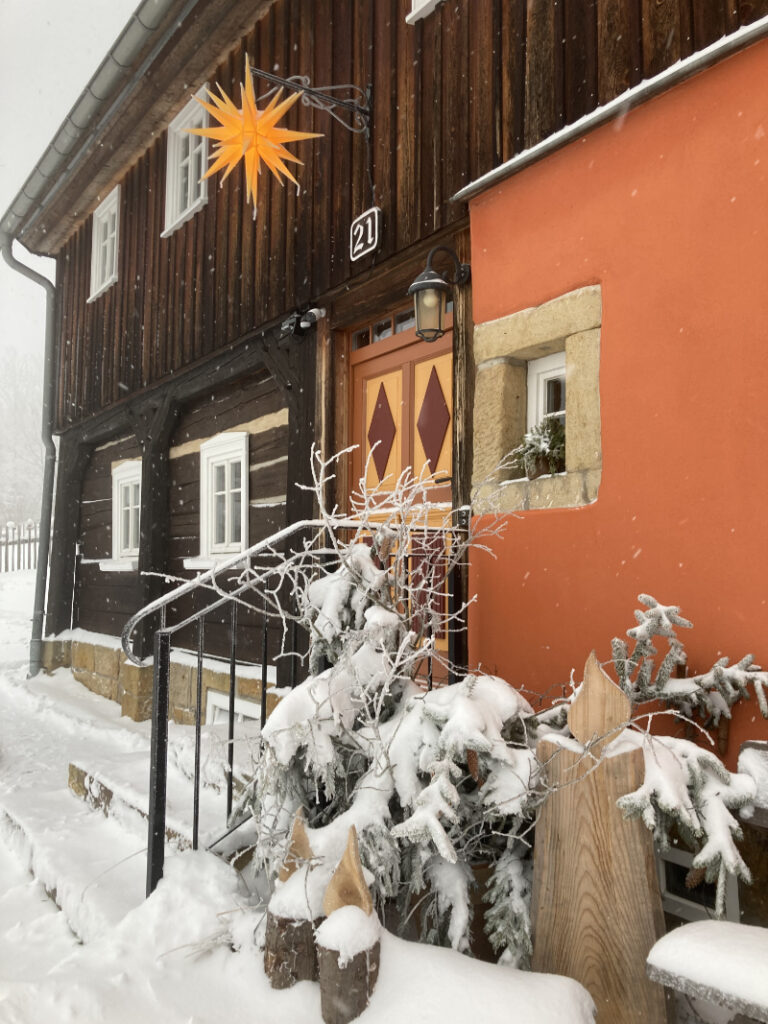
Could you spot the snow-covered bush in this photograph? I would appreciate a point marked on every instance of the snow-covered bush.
(687, 790)
(442, 783)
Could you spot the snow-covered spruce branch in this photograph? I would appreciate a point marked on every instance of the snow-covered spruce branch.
(712, 693)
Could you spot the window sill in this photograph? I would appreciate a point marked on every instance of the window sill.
(426, 8)
(119, 564)
(100, 291)
(188, 214)
(202, 563)
(560, 490)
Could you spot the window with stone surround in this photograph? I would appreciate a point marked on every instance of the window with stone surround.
(516, 357)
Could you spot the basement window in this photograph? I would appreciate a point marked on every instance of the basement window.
(106, 233)
(185, 190)
(126, 515)
(224, 495)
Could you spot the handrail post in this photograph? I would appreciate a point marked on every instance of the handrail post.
(158, 761)
(231, 707)
(458, 648)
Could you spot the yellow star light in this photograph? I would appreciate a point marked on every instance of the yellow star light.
(250, 134)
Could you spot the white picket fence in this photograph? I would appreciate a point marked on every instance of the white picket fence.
(19, 544)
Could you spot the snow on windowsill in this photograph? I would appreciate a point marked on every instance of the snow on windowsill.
(202, 563)
(117, 564)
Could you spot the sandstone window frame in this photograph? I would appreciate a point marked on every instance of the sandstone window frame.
(504, 349)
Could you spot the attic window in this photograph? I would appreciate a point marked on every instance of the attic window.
(106, 233)
(185, 190)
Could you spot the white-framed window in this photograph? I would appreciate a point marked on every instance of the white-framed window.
(187, 158)
(546, 388)
(224, 494)
(104, 244)
(217, 709)
(420, 9)
(126, 511)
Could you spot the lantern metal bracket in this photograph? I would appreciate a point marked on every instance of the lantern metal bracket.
(356, 106)
(461, 270)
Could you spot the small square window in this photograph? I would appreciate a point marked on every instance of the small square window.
(185, 189)
(126, 509)
(104, 243)
(224, 494)
(546, 388)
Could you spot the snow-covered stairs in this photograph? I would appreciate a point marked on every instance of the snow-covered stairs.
(93, 869)
(75, 812)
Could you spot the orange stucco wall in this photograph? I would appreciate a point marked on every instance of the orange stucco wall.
(667, 209)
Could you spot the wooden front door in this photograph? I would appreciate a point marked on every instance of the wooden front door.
(402, 411)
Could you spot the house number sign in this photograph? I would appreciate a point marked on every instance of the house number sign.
(365, 233)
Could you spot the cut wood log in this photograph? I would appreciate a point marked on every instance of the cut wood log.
(299, 850)
(596, 903)
(347, 887)
(290, 954)
(346, 988)
(347, 979)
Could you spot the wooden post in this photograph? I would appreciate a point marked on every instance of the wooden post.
(596, 903)
(73, 458)
(153, 421)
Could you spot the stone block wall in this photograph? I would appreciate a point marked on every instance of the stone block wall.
(106, 671)
(502, 349)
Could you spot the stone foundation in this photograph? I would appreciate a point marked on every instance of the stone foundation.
(106, 670)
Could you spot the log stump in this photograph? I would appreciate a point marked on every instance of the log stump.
(346, 987)
(289, 951)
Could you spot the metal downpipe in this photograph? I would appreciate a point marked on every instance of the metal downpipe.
(49, 468)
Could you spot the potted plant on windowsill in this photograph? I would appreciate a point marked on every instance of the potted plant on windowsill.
(543, 449)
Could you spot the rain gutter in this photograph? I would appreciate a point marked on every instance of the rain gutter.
(619, 106)
(93, 108)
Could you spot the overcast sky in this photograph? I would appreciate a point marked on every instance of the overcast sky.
(49, 50)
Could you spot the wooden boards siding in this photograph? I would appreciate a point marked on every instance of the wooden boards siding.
(453, 96)
(258, 402)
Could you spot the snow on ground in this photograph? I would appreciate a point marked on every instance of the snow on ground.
(186, 955)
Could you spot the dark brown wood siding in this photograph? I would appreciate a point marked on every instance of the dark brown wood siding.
(255, 400)
(453, 96)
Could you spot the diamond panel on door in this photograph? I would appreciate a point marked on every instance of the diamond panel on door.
(432, 410)
(383, 423)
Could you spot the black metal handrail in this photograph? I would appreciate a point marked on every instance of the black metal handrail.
(235, 598)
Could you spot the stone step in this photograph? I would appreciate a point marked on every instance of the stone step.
(121, 787)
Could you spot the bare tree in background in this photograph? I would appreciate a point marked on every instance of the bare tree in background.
(21, 450)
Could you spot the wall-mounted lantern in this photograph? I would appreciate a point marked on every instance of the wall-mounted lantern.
(430, 294)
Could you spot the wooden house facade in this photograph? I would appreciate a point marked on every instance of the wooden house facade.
(196, 332)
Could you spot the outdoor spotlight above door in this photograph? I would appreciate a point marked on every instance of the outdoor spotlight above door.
(430, 293)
